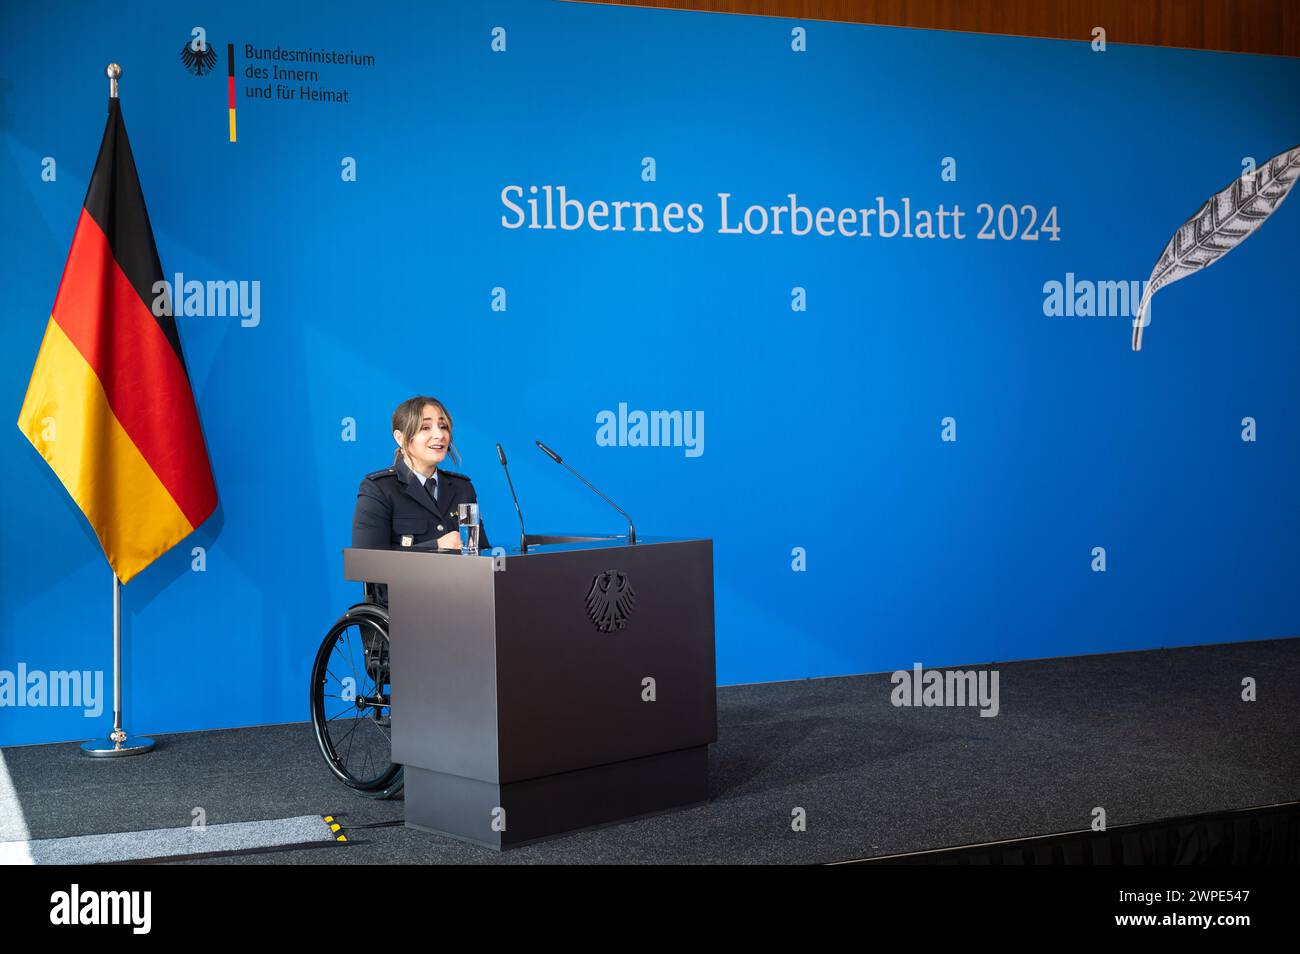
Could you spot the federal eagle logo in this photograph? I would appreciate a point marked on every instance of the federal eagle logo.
(610, 601)
(198, 61)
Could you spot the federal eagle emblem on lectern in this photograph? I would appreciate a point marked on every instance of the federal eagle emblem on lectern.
(610, 600)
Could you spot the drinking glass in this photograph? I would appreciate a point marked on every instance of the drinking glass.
(467, 514)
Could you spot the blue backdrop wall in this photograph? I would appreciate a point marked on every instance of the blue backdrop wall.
(823, 427)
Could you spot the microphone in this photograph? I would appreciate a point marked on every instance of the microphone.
(523, 537)
(631, 530)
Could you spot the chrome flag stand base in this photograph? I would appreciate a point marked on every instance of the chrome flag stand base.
(107, 748)
(117, 743)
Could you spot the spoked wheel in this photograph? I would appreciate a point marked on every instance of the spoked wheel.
(351, 705)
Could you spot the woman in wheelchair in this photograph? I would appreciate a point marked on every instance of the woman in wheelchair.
(412, 502)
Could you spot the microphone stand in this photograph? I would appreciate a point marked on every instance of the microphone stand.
(523, 537)
(631, 530)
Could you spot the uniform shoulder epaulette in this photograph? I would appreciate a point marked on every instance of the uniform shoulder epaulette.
(452, 473)
(386, 472)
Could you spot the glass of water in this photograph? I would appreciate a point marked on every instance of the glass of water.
(467, 515)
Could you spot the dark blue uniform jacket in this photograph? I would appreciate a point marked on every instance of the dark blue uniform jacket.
(393, 505)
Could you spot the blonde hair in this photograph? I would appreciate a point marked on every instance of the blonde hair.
(408, 417)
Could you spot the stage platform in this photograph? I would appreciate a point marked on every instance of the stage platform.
(1145, 735)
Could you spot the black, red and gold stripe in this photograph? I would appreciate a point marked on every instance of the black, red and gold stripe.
(109, 405)
(230, 85)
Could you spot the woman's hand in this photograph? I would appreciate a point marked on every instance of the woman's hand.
(449, 541)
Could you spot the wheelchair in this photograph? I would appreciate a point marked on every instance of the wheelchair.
(351, 700)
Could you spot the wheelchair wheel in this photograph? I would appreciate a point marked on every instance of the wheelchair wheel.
(351, 704)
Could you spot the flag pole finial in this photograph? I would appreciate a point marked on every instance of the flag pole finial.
(114, 72)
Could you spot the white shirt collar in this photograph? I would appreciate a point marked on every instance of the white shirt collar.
(423, 478)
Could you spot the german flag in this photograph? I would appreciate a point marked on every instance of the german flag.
(109, 405)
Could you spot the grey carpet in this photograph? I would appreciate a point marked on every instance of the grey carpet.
(168, 842)
(1145, 735)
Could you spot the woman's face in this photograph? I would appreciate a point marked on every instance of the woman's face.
(429, 446)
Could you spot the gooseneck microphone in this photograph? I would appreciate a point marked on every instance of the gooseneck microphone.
(631, 530)
(523, 537)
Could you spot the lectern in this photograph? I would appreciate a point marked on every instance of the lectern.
(540, 692)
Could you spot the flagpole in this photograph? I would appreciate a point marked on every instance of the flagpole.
(117, 743)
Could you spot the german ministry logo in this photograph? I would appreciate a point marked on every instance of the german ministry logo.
(197, 56)
(610, 601)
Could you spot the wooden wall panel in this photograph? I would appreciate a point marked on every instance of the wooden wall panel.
(1243, 26)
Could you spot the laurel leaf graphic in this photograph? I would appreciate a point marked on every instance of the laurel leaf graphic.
(1219, 226)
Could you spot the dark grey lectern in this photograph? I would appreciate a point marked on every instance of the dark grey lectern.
(542, 692)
